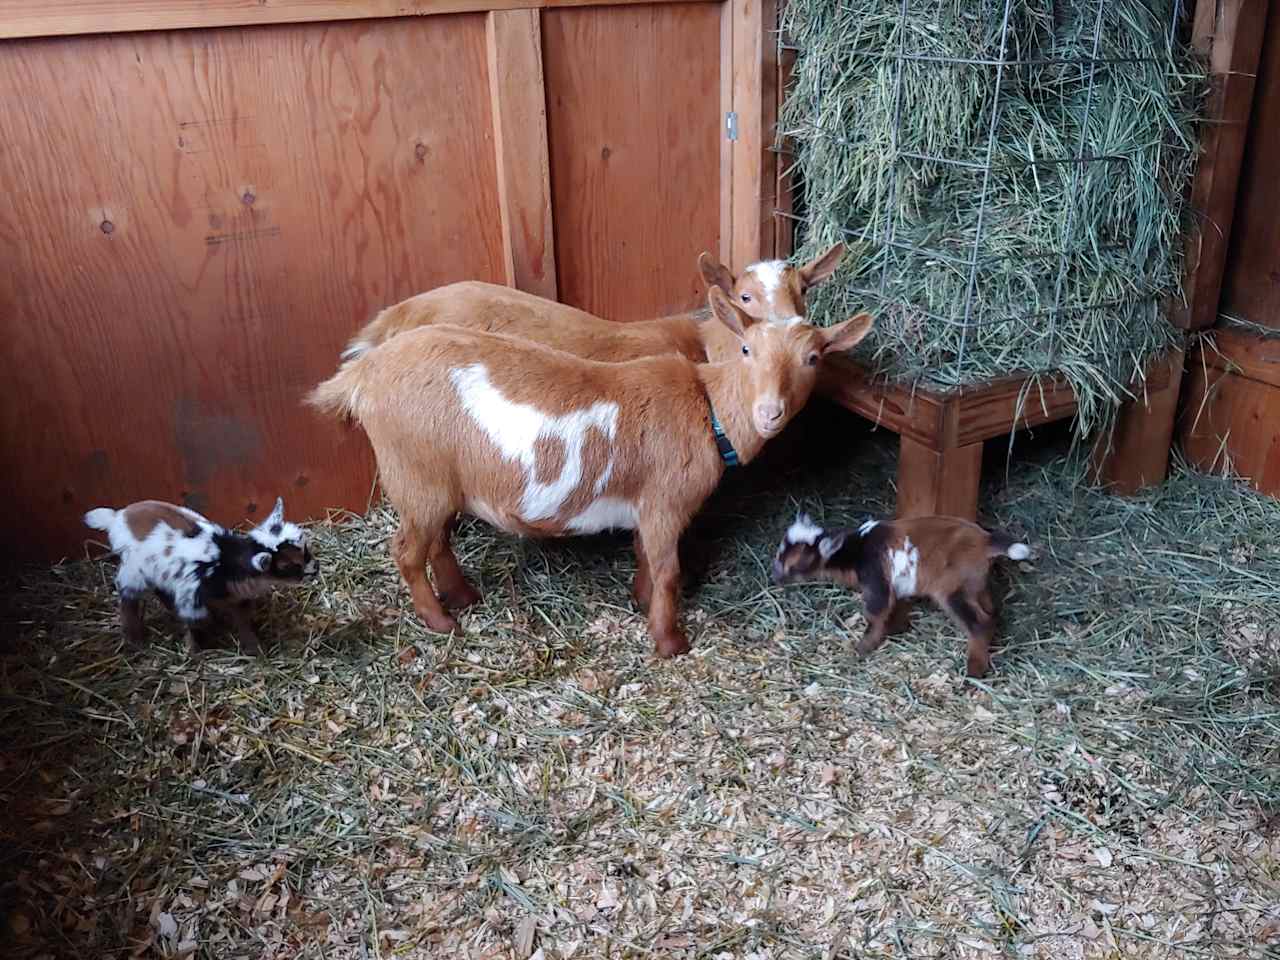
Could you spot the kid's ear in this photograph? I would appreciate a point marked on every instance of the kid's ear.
(821, 267)
(714, 273)
(727, 312)
(847, 335)
(261, 562)
(830, 543)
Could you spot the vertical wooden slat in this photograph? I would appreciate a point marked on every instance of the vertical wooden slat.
(726, 145)
(784, 232)
(1136, 454)
(518, 96)
(1230, 33)
(755, 77)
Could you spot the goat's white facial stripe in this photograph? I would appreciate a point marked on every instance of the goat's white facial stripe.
(769, 273)
(803, 530)
(607, 513)
(905, 564)
(516, 427)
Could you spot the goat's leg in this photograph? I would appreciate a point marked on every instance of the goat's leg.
(966, 609)
(660, 545)
(242, 623)
(878, 603)
(455, 592)
(642, 589)
(195, 635)
(899, 618)
(133, 624)
(411, 546)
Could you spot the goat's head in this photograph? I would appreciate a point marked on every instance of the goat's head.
(771, 289)
(286, 556)
(805, 550)
(779, 361)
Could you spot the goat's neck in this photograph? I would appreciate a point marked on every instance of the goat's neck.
(730, 397)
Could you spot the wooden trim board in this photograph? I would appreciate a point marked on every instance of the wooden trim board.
(518, 94)
(755, 79)
(1228, 33)
(50, 18)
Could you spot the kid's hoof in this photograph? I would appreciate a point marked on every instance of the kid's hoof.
(978, 667)
(460, 597)
(440, 624)
(671, 646)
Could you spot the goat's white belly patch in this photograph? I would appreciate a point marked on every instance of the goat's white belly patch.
(515, 429)
(904, 565)
(606, 513)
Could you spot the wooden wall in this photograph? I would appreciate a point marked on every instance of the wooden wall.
(1231, 415)
(196, 220)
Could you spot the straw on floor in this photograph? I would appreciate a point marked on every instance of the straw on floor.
(541, 787)
(1010, 176)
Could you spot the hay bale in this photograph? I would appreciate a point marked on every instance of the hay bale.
(1027, 260)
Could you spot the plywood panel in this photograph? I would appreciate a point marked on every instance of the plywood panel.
(1251, 286)
(1231, 420)
(633, 120)
(193, 225)
(25, 18)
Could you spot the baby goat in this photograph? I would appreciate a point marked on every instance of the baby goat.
(945, 559)
(196, 567)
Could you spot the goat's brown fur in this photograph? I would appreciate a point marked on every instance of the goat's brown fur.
(437, 458)
(945, 559)
(490, 308)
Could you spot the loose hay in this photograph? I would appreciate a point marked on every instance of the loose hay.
(543, 788)
(1011, 257)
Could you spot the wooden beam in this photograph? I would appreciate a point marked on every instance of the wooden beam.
(48, 18)
(938, 482)
(726, 145)
(1135, 454)
(1229, 34)
(1242, 352)
(519, 102)
(755, 78)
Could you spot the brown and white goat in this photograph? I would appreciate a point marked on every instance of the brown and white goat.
(942, 558)
(541, 443)
(772, 290)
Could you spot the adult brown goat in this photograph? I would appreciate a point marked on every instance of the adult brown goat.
(541, 443)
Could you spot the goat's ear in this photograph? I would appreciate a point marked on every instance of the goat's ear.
(726, 312)
(277, 512)
(821, 267)
(847, 335)
(261, 562)
(714, 273)
(829, 544)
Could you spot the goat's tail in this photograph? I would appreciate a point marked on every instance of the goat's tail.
(100, 519)
(337, 396)
(377, 331)
(1003, 545)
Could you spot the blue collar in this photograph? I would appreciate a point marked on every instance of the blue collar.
(727, 453)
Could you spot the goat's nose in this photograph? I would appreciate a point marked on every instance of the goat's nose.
(770, 411)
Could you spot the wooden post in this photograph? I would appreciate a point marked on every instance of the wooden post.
(755, 104)
(1135, 454)
(1229, 33)
(520, 139)
(938, 482)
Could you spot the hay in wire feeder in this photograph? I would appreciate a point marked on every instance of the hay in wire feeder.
(1010, 176)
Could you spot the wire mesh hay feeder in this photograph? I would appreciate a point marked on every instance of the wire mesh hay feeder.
(1010, 178)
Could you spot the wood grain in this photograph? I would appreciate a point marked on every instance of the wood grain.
(755, 99)
(25, 18)
(917, 414)
(520, 144)
(1251, 284)
(194, 224)
(1229, 420)
(1248, 354)
(633, 122)
(938, 482)
(1230, 33)
(1136, 452)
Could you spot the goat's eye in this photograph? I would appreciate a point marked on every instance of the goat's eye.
(746, 298)
(813, 360)
(746, 351)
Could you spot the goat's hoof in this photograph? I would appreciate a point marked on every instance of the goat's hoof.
(438, 623)
(460, 597)
(978, 667)
(671, 645)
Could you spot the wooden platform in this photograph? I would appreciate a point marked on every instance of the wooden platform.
(942, 433)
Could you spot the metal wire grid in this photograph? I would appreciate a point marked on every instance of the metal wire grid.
(1078, 162)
